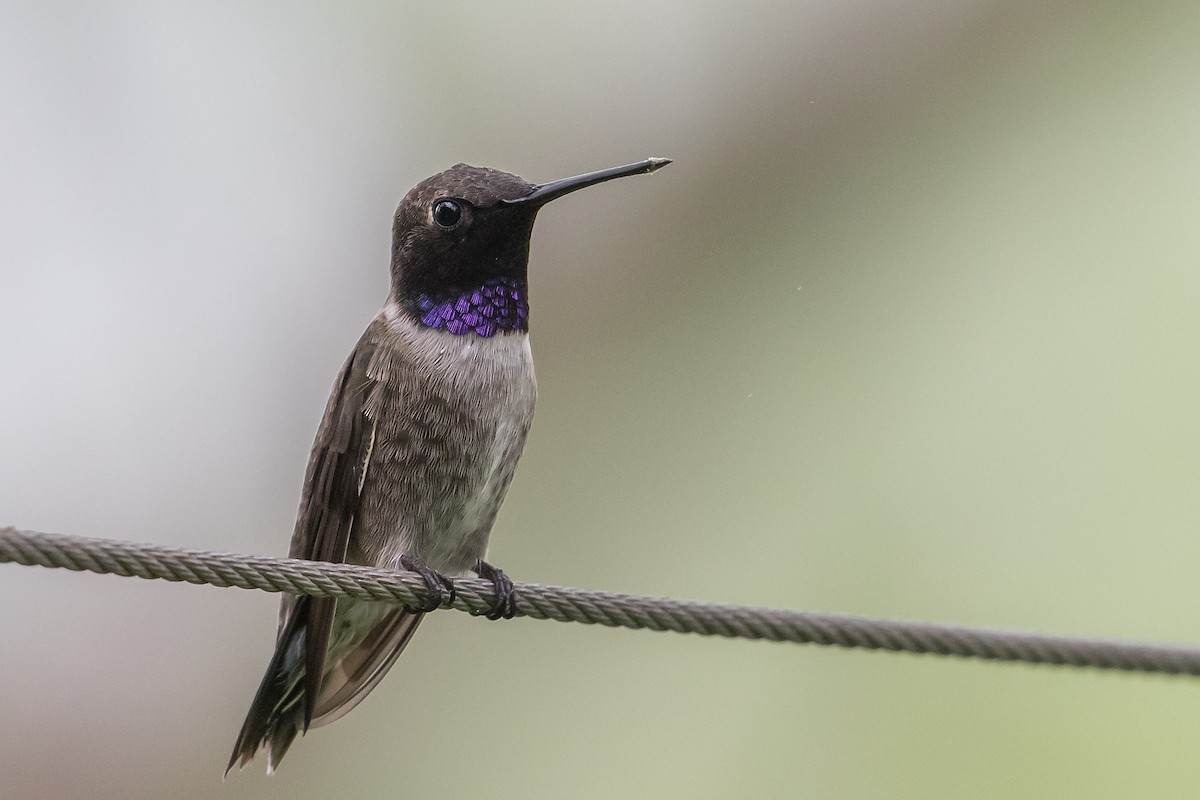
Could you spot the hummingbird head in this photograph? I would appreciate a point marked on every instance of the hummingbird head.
(460, 245)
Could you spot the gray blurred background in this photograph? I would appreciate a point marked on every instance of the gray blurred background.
(909, 329)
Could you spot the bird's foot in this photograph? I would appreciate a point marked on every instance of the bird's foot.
(441, 588)
(505, 604)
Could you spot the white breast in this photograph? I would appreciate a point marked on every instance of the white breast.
(492, 381)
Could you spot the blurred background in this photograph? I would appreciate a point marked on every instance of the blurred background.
(909, 329)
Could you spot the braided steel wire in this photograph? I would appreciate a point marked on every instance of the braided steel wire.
(592, 607)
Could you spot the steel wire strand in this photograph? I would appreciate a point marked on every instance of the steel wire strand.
(567, 604)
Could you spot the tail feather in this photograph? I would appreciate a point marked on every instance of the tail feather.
(277, 713)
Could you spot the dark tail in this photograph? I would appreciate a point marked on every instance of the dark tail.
(277, 712)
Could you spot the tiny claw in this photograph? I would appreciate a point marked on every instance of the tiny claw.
(505, 603)
(441, 588)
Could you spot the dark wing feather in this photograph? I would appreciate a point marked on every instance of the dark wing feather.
(328, 506)
(331, 501)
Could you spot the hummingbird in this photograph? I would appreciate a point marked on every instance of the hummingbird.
(418, 443)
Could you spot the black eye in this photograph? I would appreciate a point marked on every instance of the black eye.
(447, 213)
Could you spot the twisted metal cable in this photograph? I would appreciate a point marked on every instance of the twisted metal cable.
(578, 605)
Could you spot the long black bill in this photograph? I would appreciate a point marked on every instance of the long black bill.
(555, 189)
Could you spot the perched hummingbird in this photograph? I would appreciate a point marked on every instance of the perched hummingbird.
(418, 444)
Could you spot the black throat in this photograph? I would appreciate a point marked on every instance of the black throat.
(498, 305)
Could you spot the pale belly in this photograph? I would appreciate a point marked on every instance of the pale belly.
(450, 426)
